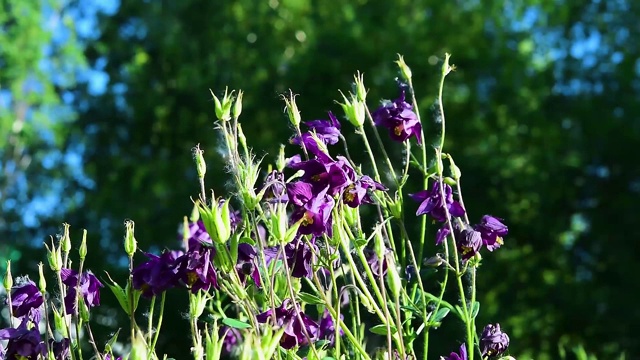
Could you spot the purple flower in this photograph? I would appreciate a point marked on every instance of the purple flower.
(493, 341)
(468, 242)
(455, 356)
(25, 297)
(326, 130)
(431, 202)
(89, 288)
(313, 209)
(299, 256)
(158, 274)
(295, 332)
(442, 233)
(327, 328)
(247, 264)
(356, 193)
(198, 236)
(232, 338)
(336, 175)
(376, 264)
(195, 269)
(274, 186)
(60, 348)
(111, 357)
(23, 343)
(492, 230)
(399, 118)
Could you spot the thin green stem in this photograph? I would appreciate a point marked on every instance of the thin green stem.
(158, 324)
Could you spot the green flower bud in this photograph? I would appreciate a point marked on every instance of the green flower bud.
(201, 165)
(130, 244)
(54, 256)
(281, 161)
(361, 91)
(354, 110)
(42, 282)
(455, 170)
(292, 109)
(58, 322)
(65, 242)
(85, 316)
(83, 245)
(404, 69)
(395, 283)
(197, 303)
(237, 105)
(446, 68)
(223, 108)
(243, 141)
(7, 282)
(449, 181)
(279, 222)
(378, 244)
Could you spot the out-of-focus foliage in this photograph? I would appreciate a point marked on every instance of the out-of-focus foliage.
(542, 118)
(39, 59)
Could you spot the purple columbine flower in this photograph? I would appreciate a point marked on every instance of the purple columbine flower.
(158, 274)
(327, 328)
(321, 174)
(25, 297)
(376, 264)
(493, 341)
(195, 269)
(274, 187)
(232, 337)
(294, 332)
(313, 209)
(22, 343)
(326, 130)
(492, 230)
(432, 203)
(198, 236)
(468, 242)
(356, 193)
(247, 264)
(399, 118)
(299, 256)
(111, 357)
(462, 355)
(89, 288)
(60, 348)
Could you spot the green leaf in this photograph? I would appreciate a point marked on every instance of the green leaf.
(120, 294)
(233, 248)
(248, 240)
(235, 323)
(382, 329)
(360, 242)
(441, 314)
(310, 299)
(109, 345)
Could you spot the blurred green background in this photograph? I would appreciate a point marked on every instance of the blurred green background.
(101, 103)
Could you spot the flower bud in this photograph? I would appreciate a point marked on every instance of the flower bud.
(84, 310)
(42, 282)
(449, 181)
(281, 161)
(243, 141)
(223, 108)
(361, 91)
(354, 110)
(279, 222)
(59, 323)
(237, 105)
(83, 245)
(7, 282)
(395, 283)
(201, 166)
(65, 242)
(446, 68)
(292, 109)
(130, 244)
(54, 257)
(404, 69)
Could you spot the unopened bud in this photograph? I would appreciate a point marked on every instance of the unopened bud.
(54, 257)
(65, 242)
(281, 161)
(7, 282)
(237, 105)
(395, 283)
(130, 244)
(42, 282)
(361, 91)
(434, 261)
(404, 69)
(201, 165)
(292, 109)
(83, 245)
(223, 108)
(449, 181)
(354, 110)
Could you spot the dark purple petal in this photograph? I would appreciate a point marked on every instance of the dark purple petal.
(25, 297)
(462, 355)
(493, 342)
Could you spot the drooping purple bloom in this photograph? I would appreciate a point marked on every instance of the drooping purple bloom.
(442, 233)
(326, 130)
(321, 174)
(356, 193)
(399, 118)
(295, 333)
(492, 230)
(378, 266)
(89, 288)
(468, 242)
(462, 355)
(327, 328)
(23, 343)
(195, 269)
(274, 186)
(158, 274)
(25, 297)
(313, 209)
(198, 236)
(432, 203)
(61, 350)
(298, 254)
(247, 264)
(232, 338)
(493, 341)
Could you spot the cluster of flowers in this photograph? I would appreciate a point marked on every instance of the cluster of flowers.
(26, 302)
